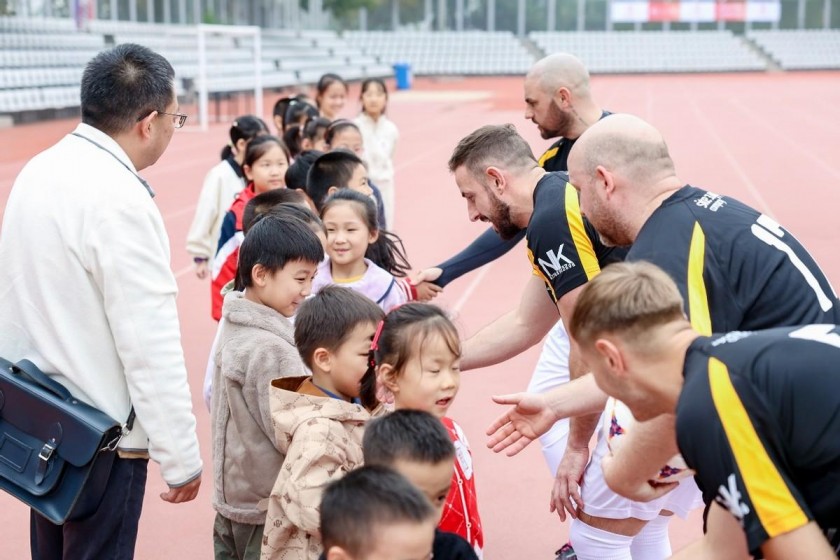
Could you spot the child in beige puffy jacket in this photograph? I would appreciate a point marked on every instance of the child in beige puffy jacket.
(318, 420)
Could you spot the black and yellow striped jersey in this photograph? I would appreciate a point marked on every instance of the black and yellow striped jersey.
(556, 157)
(737, 269)
(563, 247)
(758, 421)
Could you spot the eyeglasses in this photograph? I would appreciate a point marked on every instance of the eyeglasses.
(178, 119)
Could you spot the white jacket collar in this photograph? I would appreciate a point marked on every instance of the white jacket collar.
(105, 141)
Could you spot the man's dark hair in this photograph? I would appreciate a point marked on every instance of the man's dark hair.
(326, 319)
(411, 435)
(333, 169)
(299, 169)
(498, 145)
(274, 241)
(123, 85)
(264, 202)
(356, 507)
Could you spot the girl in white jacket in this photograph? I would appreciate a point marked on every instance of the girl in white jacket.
(379, 135)
(222, 183)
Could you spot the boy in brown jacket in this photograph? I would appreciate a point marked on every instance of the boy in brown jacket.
(318, 420)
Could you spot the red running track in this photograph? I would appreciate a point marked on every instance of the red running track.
(767, 139)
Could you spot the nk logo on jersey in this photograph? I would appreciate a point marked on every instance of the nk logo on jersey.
(556, 264)
(730, 497)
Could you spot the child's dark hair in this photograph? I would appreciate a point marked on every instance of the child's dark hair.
(411, 435)
(260, 146)
(377, 81)
(325, 82)
(300, 211)
(333, 169)
(246, 127)
(356, 507)
(314, 128)
(264, 202)
(283, 103)
(299, 169)
(297, 110)
(327, 319)
(293, 133)
(273, 242)
(404, 333)
(283, 203)
(387, 252)
(336, 127)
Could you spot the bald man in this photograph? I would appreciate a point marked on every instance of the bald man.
(736, 269)
(559, 101)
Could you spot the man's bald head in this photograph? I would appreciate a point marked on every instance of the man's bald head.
(561, 70)
(625, 145)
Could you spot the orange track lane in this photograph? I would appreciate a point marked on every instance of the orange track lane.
(767, 139)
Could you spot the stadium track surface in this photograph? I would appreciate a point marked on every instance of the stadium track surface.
(769, 139)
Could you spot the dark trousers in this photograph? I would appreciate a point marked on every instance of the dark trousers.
(109, 534)
(236, 541)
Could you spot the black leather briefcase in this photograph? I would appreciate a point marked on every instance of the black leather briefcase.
(56, 452)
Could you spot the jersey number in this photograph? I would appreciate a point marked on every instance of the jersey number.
(768, 231)
(818, 333)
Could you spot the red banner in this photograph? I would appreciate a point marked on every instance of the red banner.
(664, 11)
(641, 11)
(731, 10)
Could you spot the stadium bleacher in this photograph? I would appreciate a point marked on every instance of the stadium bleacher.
(447, 52)
(811, 49)
(654, 51)
(41, 59)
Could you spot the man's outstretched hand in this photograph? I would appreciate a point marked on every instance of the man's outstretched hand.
(529, 418)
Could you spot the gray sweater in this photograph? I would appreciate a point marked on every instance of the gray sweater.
(256, 345)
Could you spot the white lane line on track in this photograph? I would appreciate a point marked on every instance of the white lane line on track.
(183, 271)
(739, 170)
(476, 282)
(794, 146)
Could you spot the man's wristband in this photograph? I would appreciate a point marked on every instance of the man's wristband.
(200, 260)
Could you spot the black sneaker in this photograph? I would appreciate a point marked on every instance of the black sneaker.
(566, 552)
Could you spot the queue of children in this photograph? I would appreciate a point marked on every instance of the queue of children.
(291, 400)
(316, 324)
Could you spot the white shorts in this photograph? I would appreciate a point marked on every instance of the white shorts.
(600, 501)
(551, 371)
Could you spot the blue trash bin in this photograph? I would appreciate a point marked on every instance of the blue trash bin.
(402, 72)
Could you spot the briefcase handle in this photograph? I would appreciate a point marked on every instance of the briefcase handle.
(31, 371)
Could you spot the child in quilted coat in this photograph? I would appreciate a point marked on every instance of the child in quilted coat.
(318, 420)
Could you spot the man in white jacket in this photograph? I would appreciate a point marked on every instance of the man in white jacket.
(88, 293)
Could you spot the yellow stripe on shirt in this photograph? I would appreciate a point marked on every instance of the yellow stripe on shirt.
(771, 498)
(347, 280)
(547, 156)
(698, 302)
(538, 272)
(585, 250)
